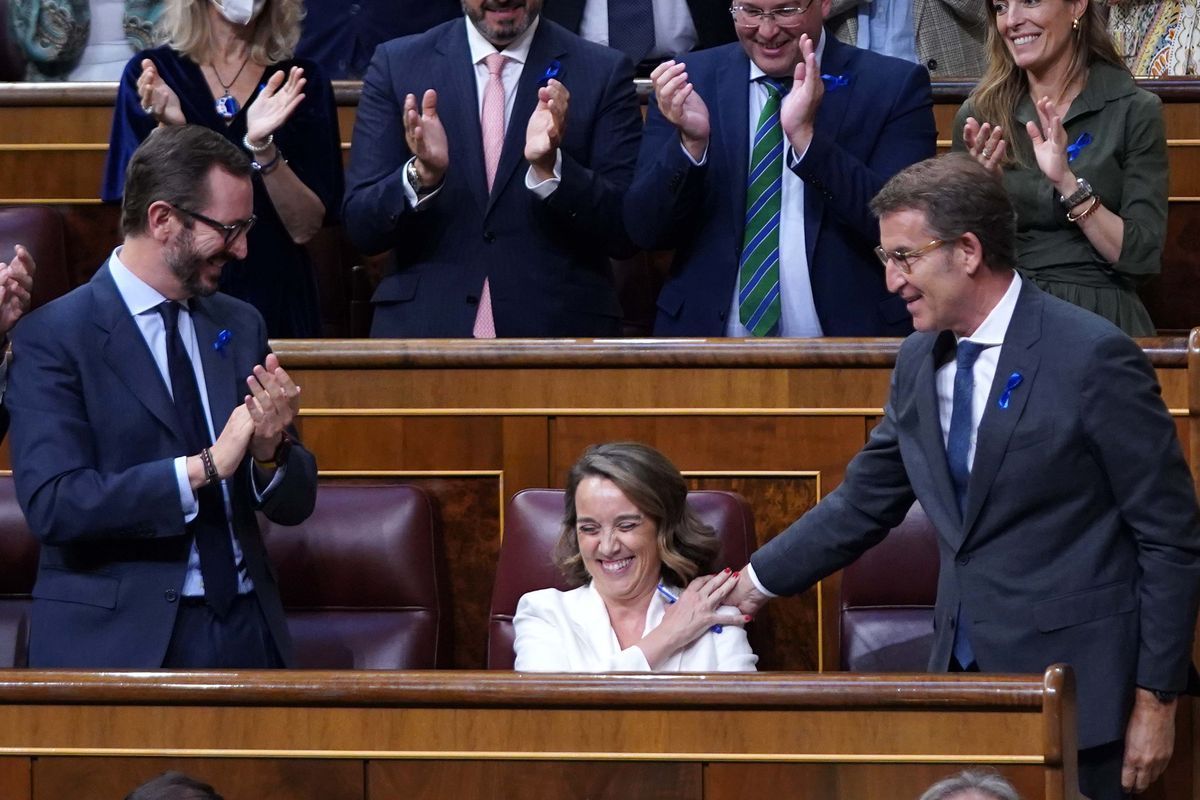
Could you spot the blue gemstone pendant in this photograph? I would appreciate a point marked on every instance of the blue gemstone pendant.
(227, 106)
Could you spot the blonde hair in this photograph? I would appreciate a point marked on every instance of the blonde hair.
(1003, 84)
(186, 28)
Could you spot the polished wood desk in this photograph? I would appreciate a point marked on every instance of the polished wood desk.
(464, 735)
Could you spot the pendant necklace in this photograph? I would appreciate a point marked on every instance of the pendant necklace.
(227, 104)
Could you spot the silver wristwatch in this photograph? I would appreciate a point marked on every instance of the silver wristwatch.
(1083, 191)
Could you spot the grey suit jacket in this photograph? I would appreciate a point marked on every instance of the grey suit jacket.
(1081, 537)
(94, 438)
(950, 34)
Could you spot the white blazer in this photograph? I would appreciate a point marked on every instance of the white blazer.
(570, 632)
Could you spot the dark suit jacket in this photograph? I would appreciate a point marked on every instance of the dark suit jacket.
(546, 261)
(1081, 538)
(95, 435)
(714, 25)
(866, 131)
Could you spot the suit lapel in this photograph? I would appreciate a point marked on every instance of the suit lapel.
(933, 445)
(220, 379)
(126, 353)
(1017, 356)
(733, 93)
(835, 60)
(460, 112)
(542, 51)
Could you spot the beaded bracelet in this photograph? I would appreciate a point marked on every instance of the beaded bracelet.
(1092, 206)
(210, 469)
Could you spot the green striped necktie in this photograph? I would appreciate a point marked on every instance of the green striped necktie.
(758, 272)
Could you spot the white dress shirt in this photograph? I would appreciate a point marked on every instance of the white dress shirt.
(517, 54)
(674, 31)
(571, 632)
(143, 301)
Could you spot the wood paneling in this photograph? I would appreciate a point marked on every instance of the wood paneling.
(874, 782)
(504, 780)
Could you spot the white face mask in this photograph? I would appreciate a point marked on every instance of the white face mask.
(240, 12)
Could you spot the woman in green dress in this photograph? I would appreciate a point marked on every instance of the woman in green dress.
(1081, 150)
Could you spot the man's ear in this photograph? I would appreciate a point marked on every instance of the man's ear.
(971, 251)
(158, 220)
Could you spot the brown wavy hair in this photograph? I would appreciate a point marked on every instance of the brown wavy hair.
(186, 28)
(653, 484)
(1003, 84)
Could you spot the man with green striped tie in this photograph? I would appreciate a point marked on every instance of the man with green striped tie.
(757, 165)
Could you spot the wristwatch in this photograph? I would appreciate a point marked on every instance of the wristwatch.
(1083, 191)
(414, 180)
(282, 450)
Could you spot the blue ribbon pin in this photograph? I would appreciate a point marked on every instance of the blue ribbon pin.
(553, 69)
(1014, 381)
(835, 82)
(1083, 141)
(223, 339)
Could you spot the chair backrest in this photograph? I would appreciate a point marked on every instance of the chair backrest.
(363, 580)
(18, 570)
(887, 600)
(531, 527)
(41, 230)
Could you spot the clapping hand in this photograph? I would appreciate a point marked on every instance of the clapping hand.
(276, 102)
(986, 143)
(273, 403)
(16, 288)
(798, 113)
(1050, 146)
(157, 98)
(426, 138)
(546, 127)
(682, 106)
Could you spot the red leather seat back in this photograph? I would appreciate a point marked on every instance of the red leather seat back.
(887, 600)
(41, 230)
(531, 527)
(363, 580)
(18, 570)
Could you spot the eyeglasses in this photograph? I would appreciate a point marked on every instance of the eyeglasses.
(753, 17)
(231, 231)
(904, 258)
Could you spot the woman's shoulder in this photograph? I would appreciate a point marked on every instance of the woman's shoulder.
(550, 598)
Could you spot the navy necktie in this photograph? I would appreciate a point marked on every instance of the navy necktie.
(631, 27)
(958, 447)
(210, 527)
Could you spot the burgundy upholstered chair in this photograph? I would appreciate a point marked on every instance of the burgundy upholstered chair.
(41, 230)
(531, 526)
(363, 580)
(18, 570)
(887, 600)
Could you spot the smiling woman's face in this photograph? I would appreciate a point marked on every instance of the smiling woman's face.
(1038, 33)
(618, 543)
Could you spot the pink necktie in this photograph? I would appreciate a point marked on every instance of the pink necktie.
(492, 122)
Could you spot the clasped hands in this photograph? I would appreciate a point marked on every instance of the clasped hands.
(16, 289)
(683, 107)
(426, 138)
(257, 425)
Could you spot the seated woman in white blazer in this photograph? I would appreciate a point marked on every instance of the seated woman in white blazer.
(629, 538)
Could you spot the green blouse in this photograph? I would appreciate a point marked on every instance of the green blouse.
(1126, 164)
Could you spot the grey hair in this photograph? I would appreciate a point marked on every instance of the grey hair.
(986, 782)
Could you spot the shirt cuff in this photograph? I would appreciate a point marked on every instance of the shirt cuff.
(260, 496)
(416, 202)
(749, 570)
(3, 371)
(187, 498)
(795, 158)
(544, 189)
(695, 163)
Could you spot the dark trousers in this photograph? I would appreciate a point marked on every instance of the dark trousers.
(1099, 767)
(239, 640)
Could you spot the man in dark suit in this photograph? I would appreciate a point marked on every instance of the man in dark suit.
(150, 422)
(789, 253)
(1034, 436)
(656, 29)
(16, 292)
(342, 36)
(500, 194)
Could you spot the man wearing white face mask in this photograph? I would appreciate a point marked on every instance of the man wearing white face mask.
(228, 65)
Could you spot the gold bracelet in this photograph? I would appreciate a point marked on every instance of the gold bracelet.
(1091, 208)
